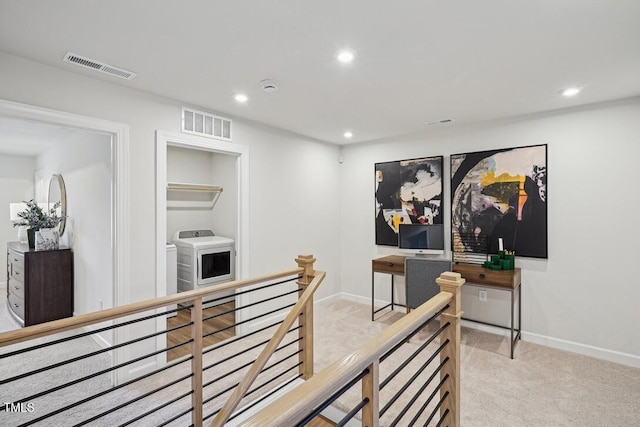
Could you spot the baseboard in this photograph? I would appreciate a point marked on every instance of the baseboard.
(364, 300)
(259, 324)
(486, 328)
(574, 347)
(96, 337)
(328, 300)
(142, 369)
(584, 349)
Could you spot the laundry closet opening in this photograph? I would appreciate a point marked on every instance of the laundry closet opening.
(201, 223)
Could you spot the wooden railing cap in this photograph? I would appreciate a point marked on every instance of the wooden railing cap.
(450, 278)
(305, 259)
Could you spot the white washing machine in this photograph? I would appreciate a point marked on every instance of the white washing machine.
(204, 259)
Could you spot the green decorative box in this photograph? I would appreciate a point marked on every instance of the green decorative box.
(502, 261)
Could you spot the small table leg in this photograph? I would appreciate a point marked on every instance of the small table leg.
(392, 292)
(373, 309)
(520, 312)
(512, 324)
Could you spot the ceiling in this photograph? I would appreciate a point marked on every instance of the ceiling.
(416, 61)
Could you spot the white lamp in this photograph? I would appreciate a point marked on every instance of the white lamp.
(14, 209)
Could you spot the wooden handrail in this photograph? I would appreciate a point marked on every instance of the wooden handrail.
(295, 405)
(82, 320)
(305, 277)
(242, 388)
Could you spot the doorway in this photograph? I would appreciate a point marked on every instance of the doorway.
(240, 155)
(119, 134)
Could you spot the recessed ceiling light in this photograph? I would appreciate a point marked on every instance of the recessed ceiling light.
(345, 56)
(348, 134)
(241, 97)
(572, 91)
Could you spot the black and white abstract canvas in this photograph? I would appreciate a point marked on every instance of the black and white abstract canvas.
(500, 194)
(406, 192)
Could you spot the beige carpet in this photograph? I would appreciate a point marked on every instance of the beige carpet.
(7, 323)
(134, 395)
(540, 387)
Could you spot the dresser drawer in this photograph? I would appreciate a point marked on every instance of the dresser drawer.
(16, 266)
(16, 304)
(39, 283)
(16, 287)
(474, 273)
(393, 264)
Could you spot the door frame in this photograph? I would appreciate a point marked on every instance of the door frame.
(165, 139)
(119, 180)
(120, 214)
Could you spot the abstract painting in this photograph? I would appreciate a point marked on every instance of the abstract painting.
(407, 192)
(500, 194)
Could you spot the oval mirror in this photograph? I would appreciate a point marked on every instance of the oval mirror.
(58, 194)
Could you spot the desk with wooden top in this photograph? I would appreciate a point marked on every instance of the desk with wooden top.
(474, 274)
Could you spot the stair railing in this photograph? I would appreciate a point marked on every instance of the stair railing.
(363, 366)
(56, 373)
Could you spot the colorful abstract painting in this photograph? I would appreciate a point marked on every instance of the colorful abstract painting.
(500, 194)
(407, 191)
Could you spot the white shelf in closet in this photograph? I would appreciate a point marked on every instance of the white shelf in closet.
(182, 195)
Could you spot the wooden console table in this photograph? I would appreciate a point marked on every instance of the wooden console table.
(502, 280)
(474, 274)
(392, 264)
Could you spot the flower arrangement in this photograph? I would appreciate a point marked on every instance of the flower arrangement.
(36, 218)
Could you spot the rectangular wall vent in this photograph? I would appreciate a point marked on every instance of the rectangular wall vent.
(98, 66)
(204, 124)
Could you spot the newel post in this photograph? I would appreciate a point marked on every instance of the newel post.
(306, 318)
(451, 282)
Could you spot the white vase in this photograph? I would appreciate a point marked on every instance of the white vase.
(22, 234)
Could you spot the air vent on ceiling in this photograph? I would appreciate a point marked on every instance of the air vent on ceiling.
(98, 66)
(205, 124)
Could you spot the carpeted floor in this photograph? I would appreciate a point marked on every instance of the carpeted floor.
(542, 386)
(7, 323)
(130, 401)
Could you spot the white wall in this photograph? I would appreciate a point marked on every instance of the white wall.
(16, 185)
(225, 213)
(303, 201)
(293, 180)
(202, 167)
(583, 295)
(294, 202)
(84, 161)
(188, 166)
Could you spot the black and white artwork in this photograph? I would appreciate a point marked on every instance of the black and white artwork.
(47, 239)
(407, 192)
(500, 194)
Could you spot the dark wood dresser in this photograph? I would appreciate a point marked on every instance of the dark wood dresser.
(39, 283)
